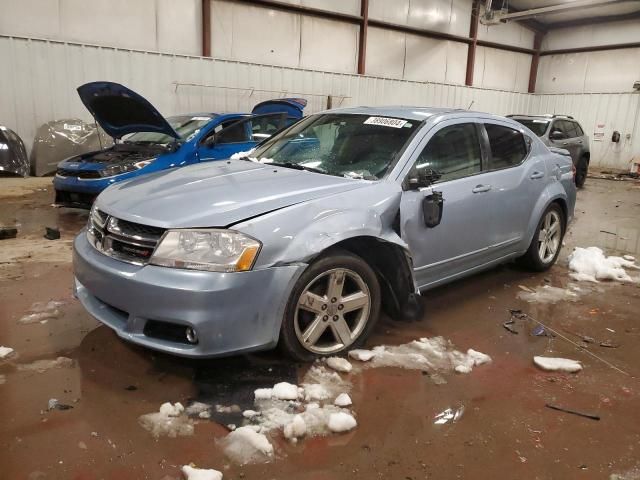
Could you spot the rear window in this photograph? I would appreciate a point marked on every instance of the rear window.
(508, 147)
(537, 126)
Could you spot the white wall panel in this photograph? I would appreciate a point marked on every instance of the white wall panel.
(396, 11)
(510, 33)
(179, 25)
(329, 45)
(501, 69)
(352, 7)
(592, 35)
(385, 52)
(441, 16)
(30, 18)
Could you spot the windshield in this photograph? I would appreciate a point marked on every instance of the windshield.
(536, 126)
(184, 125)
(356, 146)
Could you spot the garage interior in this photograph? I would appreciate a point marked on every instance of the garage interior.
(78, 402)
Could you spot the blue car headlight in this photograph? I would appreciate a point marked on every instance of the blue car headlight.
(210, 249)
(119, 168)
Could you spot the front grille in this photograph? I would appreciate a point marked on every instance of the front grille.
(127, 241)
(65, 172)
(74, 199)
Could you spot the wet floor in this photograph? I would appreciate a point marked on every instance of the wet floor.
(505, 430)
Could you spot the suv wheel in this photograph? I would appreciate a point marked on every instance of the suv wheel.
(333, 307)
(547, 240)
(581, 171)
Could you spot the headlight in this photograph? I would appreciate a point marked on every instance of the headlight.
(207, 249)
(119, 168)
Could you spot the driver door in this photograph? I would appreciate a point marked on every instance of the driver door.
(239, 136)
(462, 238)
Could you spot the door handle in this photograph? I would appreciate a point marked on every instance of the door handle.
(536, 175)
(481, 188)
(565, 144)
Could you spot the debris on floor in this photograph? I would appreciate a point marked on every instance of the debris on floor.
(573, 412)
(42, 366)
(549, 294)
(54, 404)
(193, 473)
(591, 264)
(555, 364)
(170, 421)
(449, 415)
(244, 445)
(8, 232)
(52, 233)
(41, 312)
(5, 352)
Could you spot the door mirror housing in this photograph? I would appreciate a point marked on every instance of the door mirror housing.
(423, 177)
(557, 135)
(432, 207)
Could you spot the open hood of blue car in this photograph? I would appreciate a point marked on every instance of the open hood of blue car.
(121, 111)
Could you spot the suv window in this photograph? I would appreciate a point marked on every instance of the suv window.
(570, 128)
(508, 147)
(579, 131)
(454, 152)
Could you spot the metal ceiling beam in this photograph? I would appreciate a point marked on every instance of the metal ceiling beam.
(563, 7)
(597, 48)
(314, 12)
(579, 22)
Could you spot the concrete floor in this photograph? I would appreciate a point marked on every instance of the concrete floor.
(505, 431)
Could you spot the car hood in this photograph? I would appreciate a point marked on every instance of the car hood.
(121, 111)
(216, 194)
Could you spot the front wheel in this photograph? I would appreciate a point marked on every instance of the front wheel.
(333, 307)
(547, 240)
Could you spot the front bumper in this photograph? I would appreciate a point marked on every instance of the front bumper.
(231, 312)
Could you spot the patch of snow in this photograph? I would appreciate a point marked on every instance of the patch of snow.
(169, 421)
(263, 393)
(479, 358)
(548, 294)
(250, 414)
(339, 364)
(193, 473)
(315, 391)
(5, 352)
(196, 408)
(591, 264)
(42, 366)
(630, 258)
(343, 400)
(295, 429)
(244, 445)
(41, 312)
(448, 416)
(361, 355)
(552, 364)
(239, 155)
(341, 422)
(285, 391)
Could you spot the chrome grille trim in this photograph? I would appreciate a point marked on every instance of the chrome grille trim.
(123, 240)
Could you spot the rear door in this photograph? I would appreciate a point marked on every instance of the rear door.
(463, 236)
(571, 142)
(239, 136)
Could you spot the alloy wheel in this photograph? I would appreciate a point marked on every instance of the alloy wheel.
(549, 237)
(332, 311)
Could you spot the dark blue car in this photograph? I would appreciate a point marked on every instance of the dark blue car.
(147, 142)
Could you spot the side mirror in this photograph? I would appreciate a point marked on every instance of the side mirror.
(432, 207)
(557, 135)
(423, 178)
(210, 141)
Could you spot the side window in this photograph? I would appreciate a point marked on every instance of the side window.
(579, 131)
(264, 126)
(559, 126)
(508, 147)
(454, 152)
(570, 129)
(235, 133)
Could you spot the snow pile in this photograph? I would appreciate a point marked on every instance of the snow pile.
(41, 312)
(549, 294)
(343, 400)
(295, 429)
(5, 352)
(285, 391)
(245, 445)
(192, 473)
(42, 366)
(170, 421)
(361, 355)
(239, 155)
(590, 264)
(425, 354)
(341, 422)
(339, 364)
(552, 364)
(315, 392)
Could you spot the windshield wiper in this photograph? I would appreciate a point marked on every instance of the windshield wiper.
(297, 166)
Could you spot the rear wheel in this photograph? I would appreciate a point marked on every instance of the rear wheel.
(333, 308)
(581, 171)
(547, 240)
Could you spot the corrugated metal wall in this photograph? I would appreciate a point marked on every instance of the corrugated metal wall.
(614, 111)
(40, 85)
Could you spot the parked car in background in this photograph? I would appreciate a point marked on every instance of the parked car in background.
(304, 241)
(13, 154)
(147, 142)
(561, 131)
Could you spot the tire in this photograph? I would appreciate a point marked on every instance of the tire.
(581, 171)
(533, 259)
(315, 313)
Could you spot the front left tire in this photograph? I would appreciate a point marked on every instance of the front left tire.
(333, 307)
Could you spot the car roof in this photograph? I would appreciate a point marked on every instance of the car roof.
(547, 116)
(401, 111)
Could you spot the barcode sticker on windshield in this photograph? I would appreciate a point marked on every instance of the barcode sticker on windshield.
(385, 122)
